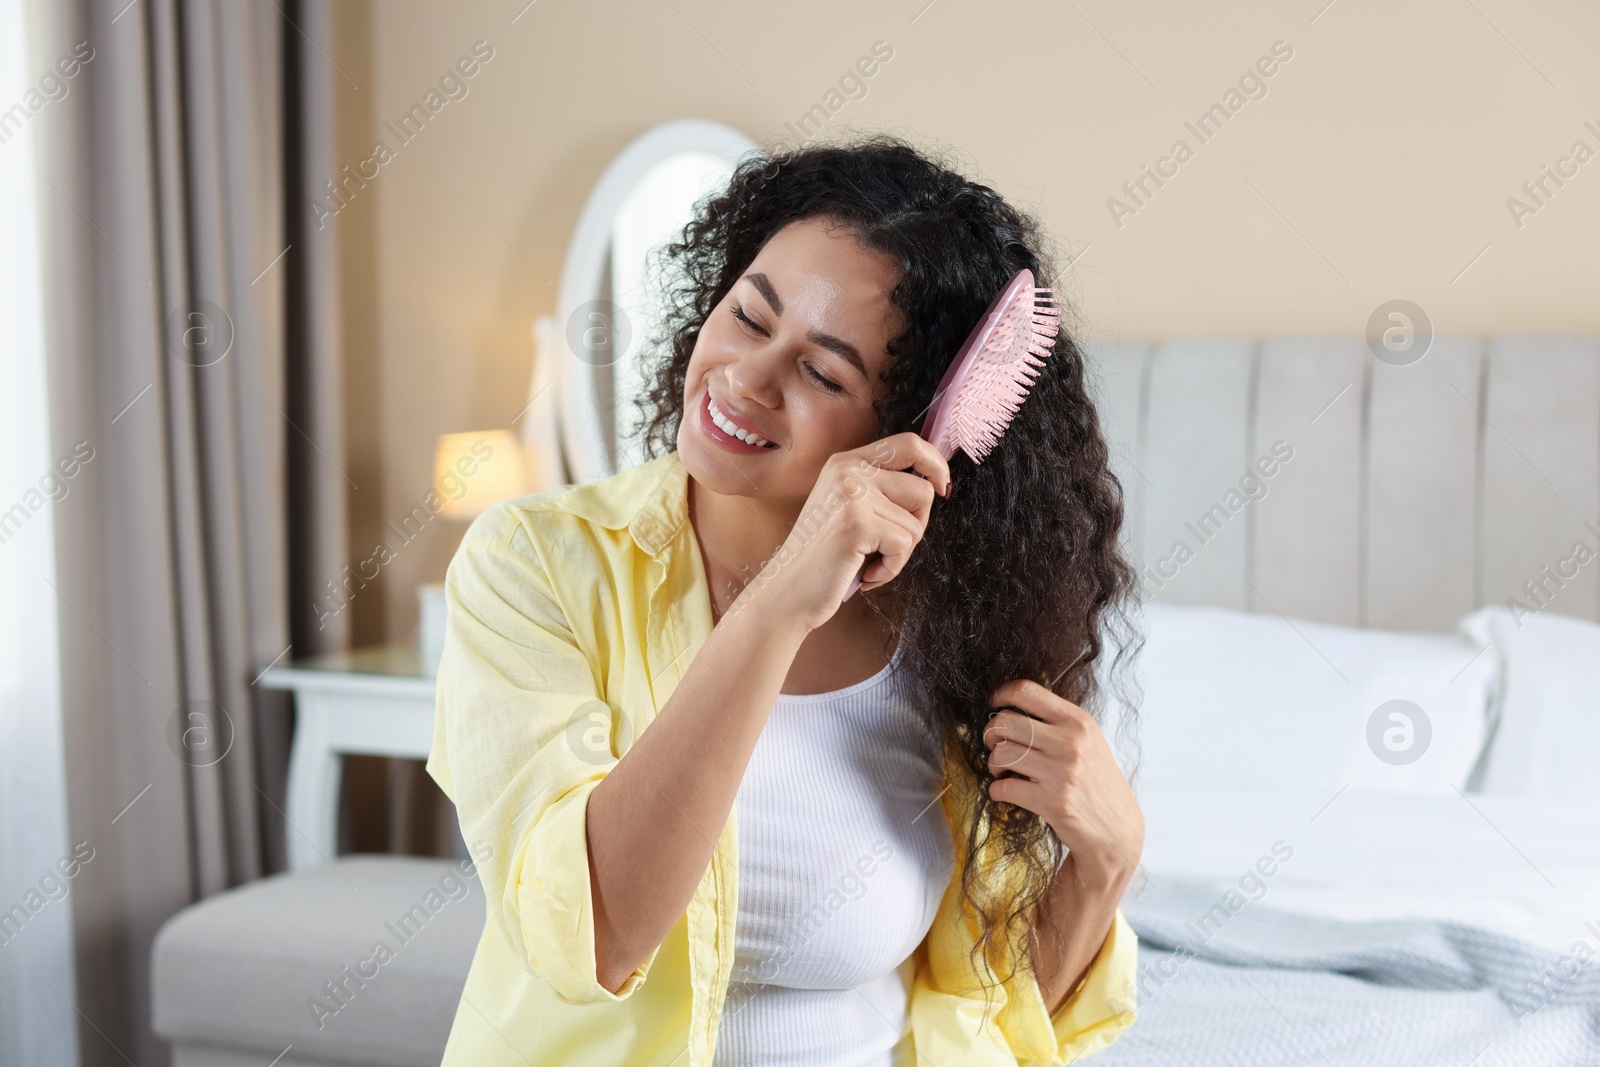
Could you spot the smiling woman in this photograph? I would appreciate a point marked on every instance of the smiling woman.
(828, 280)
(637, 902)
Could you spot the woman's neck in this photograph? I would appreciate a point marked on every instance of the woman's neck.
(737, 535)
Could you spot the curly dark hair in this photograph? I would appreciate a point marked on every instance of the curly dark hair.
(1018, 574)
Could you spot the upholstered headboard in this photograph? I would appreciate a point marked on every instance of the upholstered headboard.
(1301, 475)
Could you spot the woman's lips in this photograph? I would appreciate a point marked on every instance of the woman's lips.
(726, 440)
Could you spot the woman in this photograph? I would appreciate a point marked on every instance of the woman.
(694, 777)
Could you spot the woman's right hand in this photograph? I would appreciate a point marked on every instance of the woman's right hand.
(864, 501)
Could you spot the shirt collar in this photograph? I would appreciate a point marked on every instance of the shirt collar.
(651, 500)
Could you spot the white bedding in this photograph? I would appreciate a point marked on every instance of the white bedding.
(1234, 696)
(1525, 868)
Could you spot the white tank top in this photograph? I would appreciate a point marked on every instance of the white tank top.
(843, 858)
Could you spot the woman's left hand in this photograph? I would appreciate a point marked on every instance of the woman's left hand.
(1064, 773)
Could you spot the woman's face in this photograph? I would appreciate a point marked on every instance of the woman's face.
(793, 354)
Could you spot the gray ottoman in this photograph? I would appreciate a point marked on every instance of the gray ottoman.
(359, 964)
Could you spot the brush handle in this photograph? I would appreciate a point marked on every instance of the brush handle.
(855, 583)
(943, 399)
(958, 381)
(873, 557)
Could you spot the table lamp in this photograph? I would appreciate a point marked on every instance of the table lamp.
(471, 471)
(476, 469)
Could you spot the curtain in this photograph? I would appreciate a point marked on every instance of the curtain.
(190, 332)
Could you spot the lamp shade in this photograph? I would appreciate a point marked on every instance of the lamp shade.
(475, 469)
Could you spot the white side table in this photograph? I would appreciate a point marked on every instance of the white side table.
(374, 701)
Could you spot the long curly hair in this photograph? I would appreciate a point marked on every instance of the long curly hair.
(1018, 574)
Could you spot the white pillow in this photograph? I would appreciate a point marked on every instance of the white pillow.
(1236, 698)
(1547, 744)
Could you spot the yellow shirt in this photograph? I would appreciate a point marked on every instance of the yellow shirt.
(573, 613)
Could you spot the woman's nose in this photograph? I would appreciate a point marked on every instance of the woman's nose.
(756, 378)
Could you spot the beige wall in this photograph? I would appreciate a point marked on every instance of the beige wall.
(1378, 165)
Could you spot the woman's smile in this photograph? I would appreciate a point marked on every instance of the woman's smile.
(790, 360)
(723, 429)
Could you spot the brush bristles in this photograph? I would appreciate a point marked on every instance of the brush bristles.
(1003, 372)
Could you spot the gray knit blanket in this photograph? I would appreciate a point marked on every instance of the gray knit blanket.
(1257, 985)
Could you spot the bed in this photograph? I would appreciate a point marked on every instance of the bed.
(1398, 930)
(1368, 746)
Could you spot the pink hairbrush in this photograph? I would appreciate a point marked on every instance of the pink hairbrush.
(990, 377)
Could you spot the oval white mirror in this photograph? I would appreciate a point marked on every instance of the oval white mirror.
(594, 349)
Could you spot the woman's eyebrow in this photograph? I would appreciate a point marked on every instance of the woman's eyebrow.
(825, 340)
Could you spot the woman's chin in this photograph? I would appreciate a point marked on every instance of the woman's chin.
(706, 465)
(720, 473)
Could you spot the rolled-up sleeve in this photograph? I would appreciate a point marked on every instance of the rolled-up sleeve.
(1100, 1008)
(953, 1020)
(522, 735)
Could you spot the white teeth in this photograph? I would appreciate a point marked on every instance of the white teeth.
(729, 428)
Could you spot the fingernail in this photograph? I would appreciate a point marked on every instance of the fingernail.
(947, 487)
